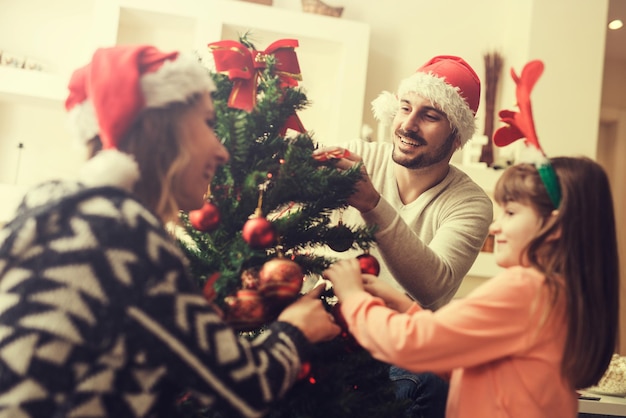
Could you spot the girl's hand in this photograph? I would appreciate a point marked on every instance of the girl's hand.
(345, 275)
(394, 298)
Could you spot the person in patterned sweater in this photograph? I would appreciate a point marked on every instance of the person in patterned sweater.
(98, 314)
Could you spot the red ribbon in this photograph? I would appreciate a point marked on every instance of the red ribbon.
(244, 65)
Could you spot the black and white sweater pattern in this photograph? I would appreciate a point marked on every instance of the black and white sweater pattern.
(100, 318)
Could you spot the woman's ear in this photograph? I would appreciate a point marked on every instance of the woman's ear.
(556, 234)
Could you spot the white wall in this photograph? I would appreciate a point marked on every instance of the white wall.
(568, 35)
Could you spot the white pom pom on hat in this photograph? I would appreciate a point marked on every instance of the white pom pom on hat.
(449, 82)
(107, 95)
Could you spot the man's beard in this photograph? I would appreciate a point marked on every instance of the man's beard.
(426, 159)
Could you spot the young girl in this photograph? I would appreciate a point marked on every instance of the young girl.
(523, 342)
(99, 315)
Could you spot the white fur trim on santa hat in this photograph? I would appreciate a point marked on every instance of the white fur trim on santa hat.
(82, 122)
(176, 81)
(110, 168)
(443, 95)
(385, 106)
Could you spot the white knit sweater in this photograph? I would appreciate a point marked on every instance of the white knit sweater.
(429, 245)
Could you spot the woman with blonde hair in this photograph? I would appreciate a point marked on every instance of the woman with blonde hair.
(99, 315)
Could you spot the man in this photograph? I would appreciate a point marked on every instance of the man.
(431, 218)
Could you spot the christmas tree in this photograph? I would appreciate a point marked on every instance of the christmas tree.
(267, 213)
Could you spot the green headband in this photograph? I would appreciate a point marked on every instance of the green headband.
(551, 181)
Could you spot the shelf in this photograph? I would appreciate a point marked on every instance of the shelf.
(32, 85)
(605, 406)
(189, 8)
(55, 35)
(169, 32)
(485, 177)
(35, 143)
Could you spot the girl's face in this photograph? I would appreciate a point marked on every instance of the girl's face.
(516, 226)
(204, 151)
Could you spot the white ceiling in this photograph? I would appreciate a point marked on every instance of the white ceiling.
(616, 39)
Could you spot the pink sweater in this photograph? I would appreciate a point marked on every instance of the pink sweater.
(503, 345)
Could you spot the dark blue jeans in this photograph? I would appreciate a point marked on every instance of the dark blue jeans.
(427, 391)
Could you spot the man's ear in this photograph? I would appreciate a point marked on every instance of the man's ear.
(457, 141)
(556, 234)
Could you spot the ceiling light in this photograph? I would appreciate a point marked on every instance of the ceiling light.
(615, 24)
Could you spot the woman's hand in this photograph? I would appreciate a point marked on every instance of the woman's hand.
(308, 315)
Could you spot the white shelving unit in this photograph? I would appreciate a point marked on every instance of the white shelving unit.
(22, 85)
(35, 143)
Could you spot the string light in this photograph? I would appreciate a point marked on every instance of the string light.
(616, 24)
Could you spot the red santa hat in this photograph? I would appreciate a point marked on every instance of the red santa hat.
(107, 95)
(449, 82)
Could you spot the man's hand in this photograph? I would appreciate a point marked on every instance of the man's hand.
(365, 198)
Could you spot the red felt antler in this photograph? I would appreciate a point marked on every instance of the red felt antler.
(521, 124)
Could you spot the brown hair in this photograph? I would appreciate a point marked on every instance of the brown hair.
(584, 255)
(155, 141)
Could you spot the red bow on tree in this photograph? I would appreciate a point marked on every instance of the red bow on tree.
(243, 66)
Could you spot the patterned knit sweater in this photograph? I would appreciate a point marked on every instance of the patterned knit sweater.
(99, 317)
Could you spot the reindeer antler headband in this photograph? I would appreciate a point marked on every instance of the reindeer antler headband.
(521, 125)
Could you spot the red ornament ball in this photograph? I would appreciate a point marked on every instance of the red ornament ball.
(245, 310)
(369, 264)
(208, 289)
(259, 233)
(280, 279)
(205, 219)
